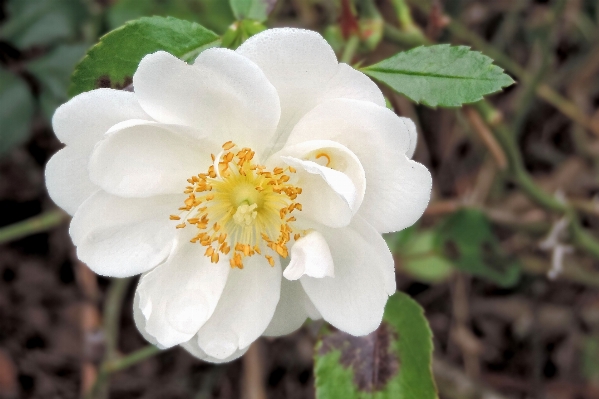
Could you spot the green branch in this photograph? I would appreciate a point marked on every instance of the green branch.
(351, 46)
(36, 224)
(130, 359)
(581, 238)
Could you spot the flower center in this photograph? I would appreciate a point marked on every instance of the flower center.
(239, 205)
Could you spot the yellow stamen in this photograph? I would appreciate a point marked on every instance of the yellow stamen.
(246, 209)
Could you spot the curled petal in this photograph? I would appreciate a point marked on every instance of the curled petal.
(310, 256)
(333, 179)
(398, 189)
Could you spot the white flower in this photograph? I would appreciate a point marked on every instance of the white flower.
(308, 168)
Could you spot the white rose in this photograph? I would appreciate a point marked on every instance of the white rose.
(212, 178)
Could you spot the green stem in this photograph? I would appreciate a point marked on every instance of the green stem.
(582, 239)
(404, 17)
(36, 224)
(112, 312)
(130, 359)
(350, 49)
(408, 39)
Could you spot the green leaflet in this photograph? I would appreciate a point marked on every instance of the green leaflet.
(392, 362)
(16, 111)
(440, 75)
(112, 62)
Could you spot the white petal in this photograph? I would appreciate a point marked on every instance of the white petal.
(245, 309)
(350, 83)
(67, 179)
(177, 297)
(333, 192)
(413, 136)
(310, 256)
(355, 298)
(408, 191)
(86, 117)
(398, 190)
(223, 95)
(291, 310)
(81, 123)
(140, 321)
(193, 347)
(148, 159)
(304, 70)
(121, 237)
(330, 195)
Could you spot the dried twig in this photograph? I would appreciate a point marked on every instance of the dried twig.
(253, 373)
(487, 137)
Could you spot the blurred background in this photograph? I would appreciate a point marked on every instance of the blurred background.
(513, 305)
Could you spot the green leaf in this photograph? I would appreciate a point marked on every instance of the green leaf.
(16, 111)
(420, 259)
(53, 72)
(213, 14)
(42, 22)
(252, 9)
(112, 62)
(392, 362)
(443, 75)
(467, 240)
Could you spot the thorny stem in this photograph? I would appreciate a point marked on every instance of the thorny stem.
(36, 224)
